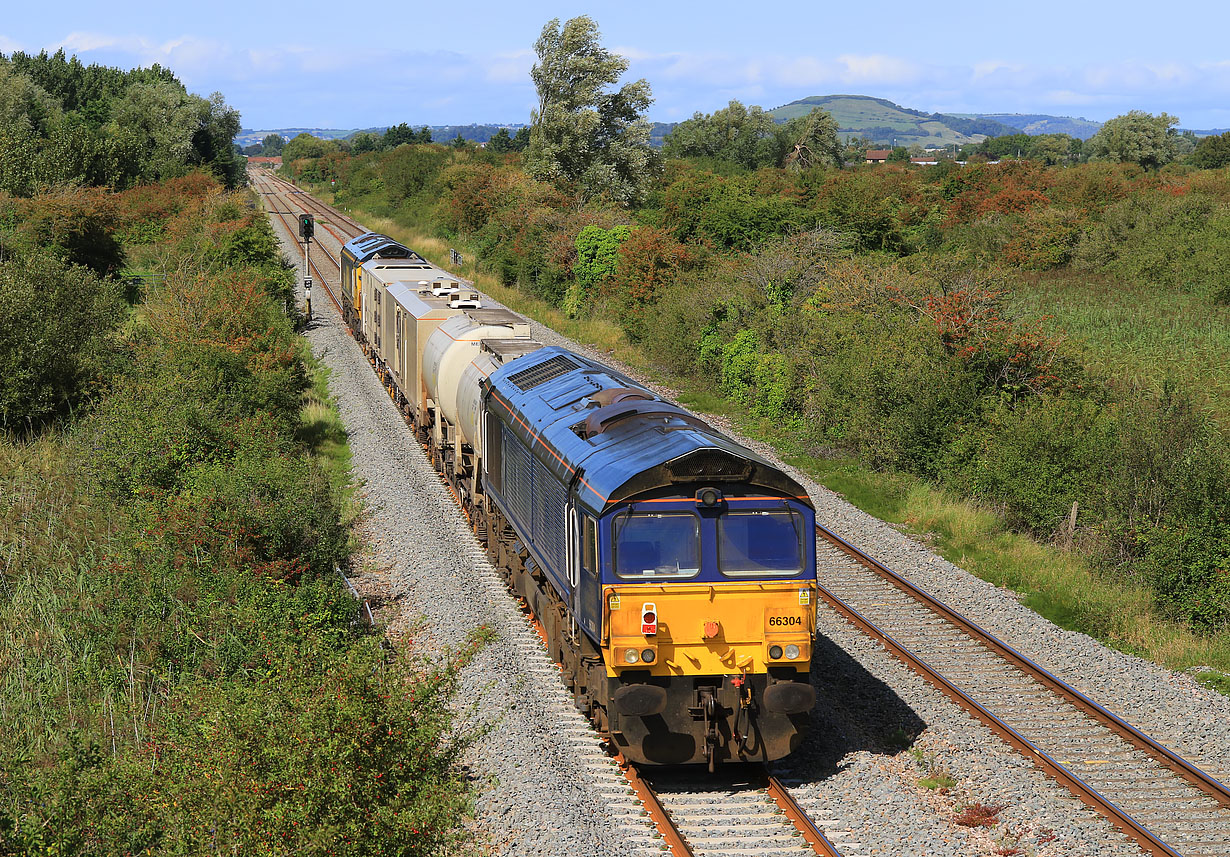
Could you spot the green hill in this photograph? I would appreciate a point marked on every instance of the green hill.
(884, 122)
(1040, 123)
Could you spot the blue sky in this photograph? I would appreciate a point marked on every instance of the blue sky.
(307, 64)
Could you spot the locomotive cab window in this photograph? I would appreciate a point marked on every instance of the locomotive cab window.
(589, 546)
(768, 541)
(651, 547)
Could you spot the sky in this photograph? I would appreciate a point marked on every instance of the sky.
(336, 65)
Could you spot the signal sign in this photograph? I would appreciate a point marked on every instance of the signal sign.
(307, 225)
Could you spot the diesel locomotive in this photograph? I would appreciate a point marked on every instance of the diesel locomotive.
(672, 571)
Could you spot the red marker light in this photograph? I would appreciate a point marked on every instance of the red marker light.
(649, 618)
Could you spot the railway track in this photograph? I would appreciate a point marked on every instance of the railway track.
(1158, 799)
(743, 811)
(286, 202)
(1163, 802)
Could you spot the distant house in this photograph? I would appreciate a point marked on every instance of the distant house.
(262, 161)
(878, 156)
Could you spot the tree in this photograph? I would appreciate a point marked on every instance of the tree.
(398, 134)
(811, 140)
(1135, 137)
(1051, 149)
(272, 145)
(306, 146)
(500, 142)
(739, 135)
(366, 141)
(521, 140)
(583, 138)
(1212, 152)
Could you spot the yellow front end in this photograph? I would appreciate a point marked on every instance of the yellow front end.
(709, 629)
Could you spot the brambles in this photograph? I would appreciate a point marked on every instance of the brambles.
(55, 332)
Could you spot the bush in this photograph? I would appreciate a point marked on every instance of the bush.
(1162, 240)
(1034, 461)
(56, 321)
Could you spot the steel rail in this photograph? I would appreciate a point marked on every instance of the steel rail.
(323, 208)
(798, 817)
(661, 816)
(1077, 786)
(1162, 754)
(283, 217)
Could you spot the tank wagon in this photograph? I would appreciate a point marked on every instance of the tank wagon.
(672, 570)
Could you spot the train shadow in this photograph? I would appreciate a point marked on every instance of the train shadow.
(855, 712)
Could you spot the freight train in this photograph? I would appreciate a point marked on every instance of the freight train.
(673, 571)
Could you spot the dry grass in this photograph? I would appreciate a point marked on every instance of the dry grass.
(1060, 584)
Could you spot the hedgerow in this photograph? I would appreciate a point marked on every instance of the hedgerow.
(180, 667)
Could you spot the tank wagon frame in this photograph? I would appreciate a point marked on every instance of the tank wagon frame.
(672, 570)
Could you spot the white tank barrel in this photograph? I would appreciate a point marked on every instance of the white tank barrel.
(455, 343)
(494, 354)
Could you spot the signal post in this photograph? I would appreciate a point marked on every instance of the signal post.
(307, 227)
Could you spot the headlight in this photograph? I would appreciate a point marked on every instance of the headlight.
(630, 656)
(792, 652)
(648, 656)
(775, 652)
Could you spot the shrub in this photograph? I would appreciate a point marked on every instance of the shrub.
(648, 260)
(56, 321)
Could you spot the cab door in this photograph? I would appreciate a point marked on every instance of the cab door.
(587, 592)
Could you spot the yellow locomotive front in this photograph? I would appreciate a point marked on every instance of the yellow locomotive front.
(731, 661)
(708, 617)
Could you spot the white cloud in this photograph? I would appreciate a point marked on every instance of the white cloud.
(878, 69)
(7, 45)
(510, 68)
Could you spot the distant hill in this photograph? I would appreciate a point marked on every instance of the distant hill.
(439, 133)
(247, 136)
(1040, 123)
(884, 122)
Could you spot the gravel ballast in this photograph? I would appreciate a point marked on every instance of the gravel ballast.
(546, 789)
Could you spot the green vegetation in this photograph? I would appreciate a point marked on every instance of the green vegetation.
(62, 122)
(586, 141)
(1136, 138)
(750, 138)
(180, 670)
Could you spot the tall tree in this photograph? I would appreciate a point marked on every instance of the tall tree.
(1212, 152)
(584, 138)
(272, 145)
(812, 141)
(740, 135)
(1136, 137)
(500, 142)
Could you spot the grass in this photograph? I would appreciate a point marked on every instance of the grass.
(1136, 333)
(1114, 324)
(320, 426)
